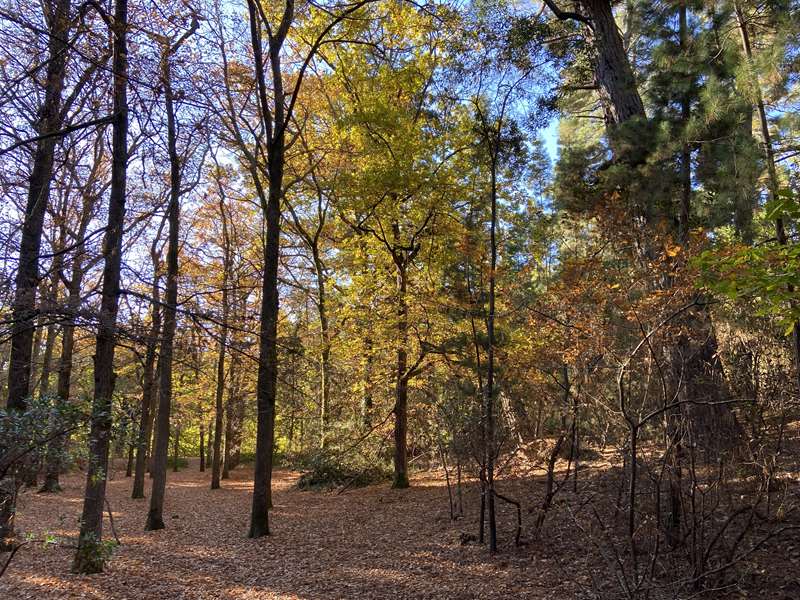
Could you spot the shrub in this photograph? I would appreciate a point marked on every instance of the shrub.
(326, 469)
(182, 462)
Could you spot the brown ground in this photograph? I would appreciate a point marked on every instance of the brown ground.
(365, 543)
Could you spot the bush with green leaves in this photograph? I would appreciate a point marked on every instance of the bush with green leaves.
(325, 469)
(93, 555)
(182, 462)
(26, 435)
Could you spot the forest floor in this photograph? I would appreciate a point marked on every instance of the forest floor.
(367, 543)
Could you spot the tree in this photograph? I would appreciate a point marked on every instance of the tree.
(394, 192)
(773, 187)
(57, 15)
(90, 199)
(49, 121)
(275, 116)
(223, 339)
(155, 518)
(147, 413)
(89, 557)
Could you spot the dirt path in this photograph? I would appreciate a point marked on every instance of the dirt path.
(367, 543)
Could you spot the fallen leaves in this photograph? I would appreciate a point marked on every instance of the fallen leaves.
(366, 543)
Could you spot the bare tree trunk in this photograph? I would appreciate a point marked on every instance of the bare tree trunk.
(275, 121)
(325, 354)
(401, 384)
(236, 412)
(675, 417)
(47, 358)
(129, 464)
(226, 454)
(268, 364)
(219, 411)
(27, 277)
(155, 518)
(56, 446)
(202, 447)
(223, 341)
(488, 391)
(148, 383)
(89, 555)
(52, 298)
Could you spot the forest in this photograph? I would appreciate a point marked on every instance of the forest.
(459, 299)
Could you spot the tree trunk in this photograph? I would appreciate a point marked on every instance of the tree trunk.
(401, 385)
(226, 454)
(175, 449)
(618, 90)
(223, 341)
(216, 462)
(27, 277)
(202, 447)
(89, 555)
(56, 447)
(129, 464)
(325, 354)
(209, 442)
(367, 401)
(675, 418)
(155, 517)
(696, 368)
(268, 362)
(148, 385)
(47, 358)
(236, 407)
(488, 391)
(52, 298)
(275, 122)
(772, 172)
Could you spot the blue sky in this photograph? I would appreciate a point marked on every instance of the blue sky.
(550, 139)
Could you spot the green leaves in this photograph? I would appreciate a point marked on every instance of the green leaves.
(784, 205)
(767, 275)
